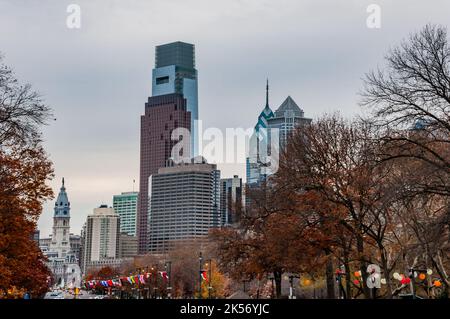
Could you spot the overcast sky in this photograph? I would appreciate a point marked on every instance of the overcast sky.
(97, 78)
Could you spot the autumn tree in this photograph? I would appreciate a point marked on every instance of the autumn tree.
(267, 240)
(24, 172)
(215, 284)
(410, 104)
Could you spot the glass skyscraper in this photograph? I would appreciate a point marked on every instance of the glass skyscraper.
(258, 140)
(285, 119)
(175, 72)
(163, 114)
(125, 205)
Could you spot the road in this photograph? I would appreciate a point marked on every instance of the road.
(67, 295)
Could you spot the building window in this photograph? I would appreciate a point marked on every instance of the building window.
(162, 80)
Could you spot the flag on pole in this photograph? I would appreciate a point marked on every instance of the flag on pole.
(141, 279)
(164, 275)
(204, 276)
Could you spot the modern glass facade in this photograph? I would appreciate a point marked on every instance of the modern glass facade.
(284, 120)
(230, 199)
(125, 205)
(258, 140)
(163, 114)
(175, 72)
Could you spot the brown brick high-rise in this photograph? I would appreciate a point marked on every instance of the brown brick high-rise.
(163, 114)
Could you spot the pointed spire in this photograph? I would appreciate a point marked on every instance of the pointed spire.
(62, 204)
(267, 93)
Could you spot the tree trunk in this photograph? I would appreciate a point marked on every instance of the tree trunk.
(387, 276)
(362, 265)
(331, 293)
(348, 283)
(277, 277)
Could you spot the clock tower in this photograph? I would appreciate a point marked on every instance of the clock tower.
(61, 224)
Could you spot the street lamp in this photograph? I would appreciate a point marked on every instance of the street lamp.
(200, 259)
(169, 275)
(209, 278)
(155, 281)
(291, 286)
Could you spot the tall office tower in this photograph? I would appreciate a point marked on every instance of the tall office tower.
(286, 118)
(128, 246)
(175, 72)
(259, 140)
(185, 204)
(101, 238)
(230, 199)
(125, 205)
(162, 115)
(60, 244)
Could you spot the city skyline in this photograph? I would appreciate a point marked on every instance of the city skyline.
(301, 56)
(173, 151)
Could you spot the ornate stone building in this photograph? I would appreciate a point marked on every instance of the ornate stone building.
(62, 248)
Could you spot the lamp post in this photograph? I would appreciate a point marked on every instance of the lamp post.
(146, 286)
(155, 281)
(200, 259)
(139, 283)
(209, 278)
(412, 272)
(169, 275)
(291, 287)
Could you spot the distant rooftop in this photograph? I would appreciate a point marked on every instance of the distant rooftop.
(177, 53)
(289, 105)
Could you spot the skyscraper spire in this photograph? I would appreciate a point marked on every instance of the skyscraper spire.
(63, 182)
(267, 93)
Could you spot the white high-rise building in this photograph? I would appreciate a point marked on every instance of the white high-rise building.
(101, 238)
